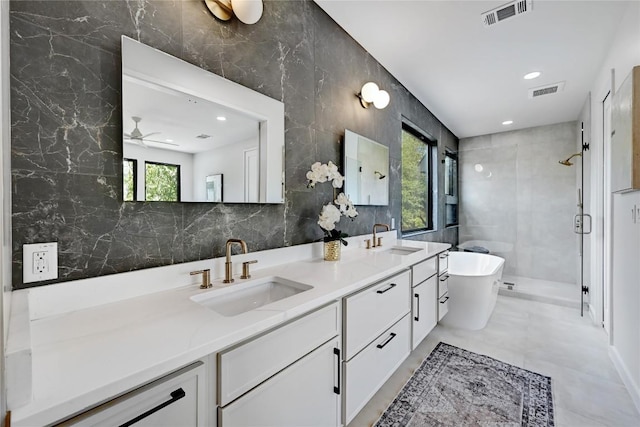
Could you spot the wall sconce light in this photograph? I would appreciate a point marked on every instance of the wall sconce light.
(371, 94)
(247, 11)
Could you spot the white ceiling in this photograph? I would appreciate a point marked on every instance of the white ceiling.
(175, 119)
(470, 76)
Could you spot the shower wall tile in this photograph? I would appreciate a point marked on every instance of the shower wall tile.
(67, 126)
(522, 197)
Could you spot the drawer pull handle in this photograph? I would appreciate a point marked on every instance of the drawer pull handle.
(445, 277)
(382, 291)
(443, 256)
(175, 396)
(417, 317)
(387, 341)
(444, 300)
(336, 389)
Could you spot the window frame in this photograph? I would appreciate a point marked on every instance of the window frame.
(432, 145)
(178, 180)
(453, 155)
(134, 169)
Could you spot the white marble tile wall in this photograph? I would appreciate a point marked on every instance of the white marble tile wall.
(514, 192)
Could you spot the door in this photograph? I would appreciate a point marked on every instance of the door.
(606, 235)
(251, 176)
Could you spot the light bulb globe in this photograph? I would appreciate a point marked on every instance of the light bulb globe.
(381, 100)
(369, 91)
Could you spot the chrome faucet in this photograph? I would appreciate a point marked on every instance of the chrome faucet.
(379, 241)
(228, 266)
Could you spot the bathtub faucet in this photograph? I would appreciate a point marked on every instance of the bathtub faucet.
(379, 241)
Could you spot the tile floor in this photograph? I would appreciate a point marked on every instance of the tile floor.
(549, 339)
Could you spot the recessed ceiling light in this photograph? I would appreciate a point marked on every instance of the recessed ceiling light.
(169, 140)
(221, 118)
(507, 122)
(532, 75)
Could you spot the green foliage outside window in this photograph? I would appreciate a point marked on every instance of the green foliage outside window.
(415, 183)
(162, 182)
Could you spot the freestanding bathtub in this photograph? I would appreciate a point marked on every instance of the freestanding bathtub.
(473, 289)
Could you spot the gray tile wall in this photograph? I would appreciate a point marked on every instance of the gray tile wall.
(523, 199)
(66, 127)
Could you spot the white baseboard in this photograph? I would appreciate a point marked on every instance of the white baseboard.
(627, 379)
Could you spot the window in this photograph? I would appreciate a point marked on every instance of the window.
(417, 180)
(162, 182)
(451, 188)
(129, 181)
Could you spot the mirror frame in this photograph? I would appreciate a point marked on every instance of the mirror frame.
(178, 75)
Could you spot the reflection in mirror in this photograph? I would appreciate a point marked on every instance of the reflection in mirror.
(366, 164)
(184, 128)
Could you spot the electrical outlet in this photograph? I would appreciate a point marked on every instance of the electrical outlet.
(39, 262)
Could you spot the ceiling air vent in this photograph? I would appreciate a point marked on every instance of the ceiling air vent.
(506, 11)
(546, 90)
(203, 136)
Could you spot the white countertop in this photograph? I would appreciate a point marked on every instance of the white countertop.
(87, 356)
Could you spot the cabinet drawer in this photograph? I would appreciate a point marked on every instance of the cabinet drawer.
(443, 262)
(443, 284)
(443, 306)
(424, 310)
(177, 399)
(246, 365)
(423, 271)
(369, 370)
(304, 394)
(371, 311)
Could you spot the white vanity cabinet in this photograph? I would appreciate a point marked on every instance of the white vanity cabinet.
(289, 376)
(424, 310)
(443, 284)
(179, 399)
(377, 339)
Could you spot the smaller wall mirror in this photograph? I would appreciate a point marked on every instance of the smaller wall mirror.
(366, 167)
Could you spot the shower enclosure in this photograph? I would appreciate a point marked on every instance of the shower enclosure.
(517, 202)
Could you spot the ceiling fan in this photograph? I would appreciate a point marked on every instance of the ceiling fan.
(137, 137)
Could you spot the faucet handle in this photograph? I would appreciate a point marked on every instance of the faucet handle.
(206, 278)
(245, 268)
(379, 241)
(367, 242)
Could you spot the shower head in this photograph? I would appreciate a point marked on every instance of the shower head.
(567, 162)
(380, 175)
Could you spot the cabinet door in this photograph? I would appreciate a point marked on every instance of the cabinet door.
(369, 369)
(176, 400)
(625, 134)
(304, 394)
(371, 311)
(424, 309)
(246, 365)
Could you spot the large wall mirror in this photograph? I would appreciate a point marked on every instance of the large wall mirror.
(192, 136)
(366, 164)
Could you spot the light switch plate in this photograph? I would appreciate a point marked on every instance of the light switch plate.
(39, 262)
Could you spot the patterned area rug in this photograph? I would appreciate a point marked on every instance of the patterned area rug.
(456, 387)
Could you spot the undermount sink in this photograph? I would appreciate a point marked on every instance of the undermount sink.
(243, 297)
(402, 250)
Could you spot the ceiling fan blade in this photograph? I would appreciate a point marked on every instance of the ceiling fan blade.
(162, 142)
(149, 134)
(136, 141)
(127, 135)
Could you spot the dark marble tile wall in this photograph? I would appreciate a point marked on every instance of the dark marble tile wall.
(66, 127)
